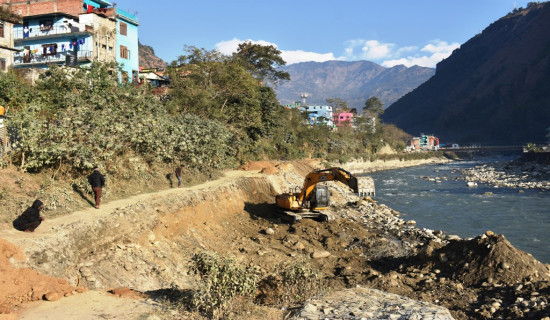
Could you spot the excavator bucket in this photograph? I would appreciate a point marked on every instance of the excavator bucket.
(365, 186)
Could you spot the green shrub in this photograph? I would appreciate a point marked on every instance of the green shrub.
(221, 280)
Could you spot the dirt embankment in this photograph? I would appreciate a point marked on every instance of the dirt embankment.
(145, 242)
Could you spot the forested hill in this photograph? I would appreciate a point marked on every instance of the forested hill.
(148, 59)
(495, 89)
(353, 82)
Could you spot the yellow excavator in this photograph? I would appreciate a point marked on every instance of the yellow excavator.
(313, 198)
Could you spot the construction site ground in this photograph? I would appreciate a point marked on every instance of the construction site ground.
(139, 247)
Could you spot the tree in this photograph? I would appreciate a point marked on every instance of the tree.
(338, 105)
(374, 107)
(211, 85)
(262, 61)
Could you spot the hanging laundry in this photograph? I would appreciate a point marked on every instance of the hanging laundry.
(26, 30)
(90, 8)
(62, 47)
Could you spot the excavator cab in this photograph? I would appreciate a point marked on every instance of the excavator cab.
(320, 198)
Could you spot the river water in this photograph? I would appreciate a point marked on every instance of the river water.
(452, 206)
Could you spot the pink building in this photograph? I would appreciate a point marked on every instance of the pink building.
(343, 119)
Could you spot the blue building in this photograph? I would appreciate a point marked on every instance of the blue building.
(62, 38)
(74, 33)
(320, 115)
(127, 45)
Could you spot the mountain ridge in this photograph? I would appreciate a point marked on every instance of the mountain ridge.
(148, 59)
(354, 81)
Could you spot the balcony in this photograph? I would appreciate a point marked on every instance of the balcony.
(36, 32)
(22, 60)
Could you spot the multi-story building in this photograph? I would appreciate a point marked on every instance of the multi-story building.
(74, 32)
(7, 49)
(127, 45)
(319, 115)
(343, 119)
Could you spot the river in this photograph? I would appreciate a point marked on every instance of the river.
(450, 205)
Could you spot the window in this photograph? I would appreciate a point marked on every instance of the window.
(46, 25)
(2, 65)
(124, 52)
(49, 49)
(1, 29)
(123, 29)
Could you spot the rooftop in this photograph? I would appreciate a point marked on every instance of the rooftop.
(126, 16)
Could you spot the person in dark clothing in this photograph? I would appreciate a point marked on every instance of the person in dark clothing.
(30, 219)
(97, 181)
(178, 174)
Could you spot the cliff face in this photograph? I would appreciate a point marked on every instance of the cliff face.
(495, 89)
(354, 82)
(148, 59)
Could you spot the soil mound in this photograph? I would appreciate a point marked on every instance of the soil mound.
(485, 260)
(263, 166)
(19, 285)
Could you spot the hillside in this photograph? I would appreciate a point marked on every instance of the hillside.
(148, 59)
(353, 82)
(495, 89)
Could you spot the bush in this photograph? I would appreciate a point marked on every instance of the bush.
(221, 280)
(94, 120)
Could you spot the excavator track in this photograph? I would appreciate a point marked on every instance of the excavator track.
(291, 216)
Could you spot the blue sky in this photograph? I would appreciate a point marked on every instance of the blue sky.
(388, 32)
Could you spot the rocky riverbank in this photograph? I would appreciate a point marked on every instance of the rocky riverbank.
(380, 165)
(478, 278)
(513, 174)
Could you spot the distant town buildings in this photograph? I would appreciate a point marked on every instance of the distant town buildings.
(423, 142)
(71, 33)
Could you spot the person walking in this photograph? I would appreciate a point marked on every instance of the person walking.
(30, 219)
(179, 169)
(97, 181)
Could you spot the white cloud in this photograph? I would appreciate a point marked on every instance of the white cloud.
(290, 56)
(375, 50)
(387, 54)
(230, 46)
(360, 49)
(438, 46)
(303, 56)
(439, 50)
